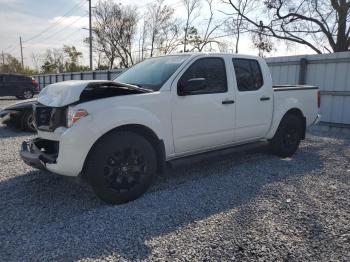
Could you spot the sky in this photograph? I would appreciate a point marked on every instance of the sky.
(41, 26)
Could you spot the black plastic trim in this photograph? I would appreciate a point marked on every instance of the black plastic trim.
(226, 102)
(292, 87)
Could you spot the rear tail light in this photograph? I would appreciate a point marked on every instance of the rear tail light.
(318, 99)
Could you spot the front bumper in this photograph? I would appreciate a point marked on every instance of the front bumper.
(39, 152)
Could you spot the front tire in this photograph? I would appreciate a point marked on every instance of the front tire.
(28, 122)
(121, 167)
(288, 135)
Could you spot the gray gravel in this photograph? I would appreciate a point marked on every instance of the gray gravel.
(247, 206)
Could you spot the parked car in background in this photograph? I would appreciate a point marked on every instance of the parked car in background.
(19, 115)
(20, 86)
(119, 134)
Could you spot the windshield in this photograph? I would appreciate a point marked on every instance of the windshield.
(153, 72)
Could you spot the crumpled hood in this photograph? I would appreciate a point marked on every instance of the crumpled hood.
(63, 93)
(21, 104)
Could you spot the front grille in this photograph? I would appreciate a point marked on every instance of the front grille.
(49, 118)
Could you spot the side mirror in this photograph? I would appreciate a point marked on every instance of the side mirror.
(190, 86)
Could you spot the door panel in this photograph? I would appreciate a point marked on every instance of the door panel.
(202, 120)
(12, 85)
(254, 100)
(1, 85)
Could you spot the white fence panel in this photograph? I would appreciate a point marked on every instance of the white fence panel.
(330, 72)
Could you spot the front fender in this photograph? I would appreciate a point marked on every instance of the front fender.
(109, 119)
(76, 142)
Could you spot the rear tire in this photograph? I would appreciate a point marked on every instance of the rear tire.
(121, 167)
(27, 94)
(288, 135)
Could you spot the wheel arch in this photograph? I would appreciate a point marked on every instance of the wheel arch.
(277, 119)
(298, 113)
(144, 131)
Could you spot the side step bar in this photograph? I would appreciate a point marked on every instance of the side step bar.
(217, 153)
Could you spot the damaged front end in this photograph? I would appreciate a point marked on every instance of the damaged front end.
(74, 92)
(52, 109)
(39, 152)
(60, 105)
(49, 118)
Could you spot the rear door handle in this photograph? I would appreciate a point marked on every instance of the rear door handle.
(226, 102)
(264, 98)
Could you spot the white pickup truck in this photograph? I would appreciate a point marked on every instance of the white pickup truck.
(119, 134)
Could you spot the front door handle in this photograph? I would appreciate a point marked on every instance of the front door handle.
(227, 102)
(264, 98)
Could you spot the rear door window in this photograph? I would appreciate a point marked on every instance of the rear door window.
(10, 79)
(15, 78)
(248, 74)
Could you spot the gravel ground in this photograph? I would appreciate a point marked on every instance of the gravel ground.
(246, 206)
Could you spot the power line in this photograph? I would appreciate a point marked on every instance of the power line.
(74, 8)
(59, 31)
(71, 34)
(77, 6)
(62, 29)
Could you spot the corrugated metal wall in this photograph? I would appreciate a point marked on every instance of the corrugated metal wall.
(45, 80)
(330, 72)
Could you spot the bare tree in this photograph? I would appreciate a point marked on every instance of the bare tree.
(114, 28)
(100, 61)
(158, 19)
(169, 37)
(322, 25)
(237, 25)
(142, 39)
(191, 7)
(262, 43)
(53, 61)
(37, 60)
(200, 40)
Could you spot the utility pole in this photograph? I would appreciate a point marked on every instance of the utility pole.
(90, 35)
(20, 43)
(3, 57)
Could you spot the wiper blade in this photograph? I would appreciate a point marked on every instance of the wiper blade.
(133, 86)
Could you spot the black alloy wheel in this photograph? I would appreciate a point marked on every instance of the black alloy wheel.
(288, 136)
(121, 166)
(124, 169)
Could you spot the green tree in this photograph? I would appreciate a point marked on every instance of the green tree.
(11, 65)
(73, 57)
(53, 61)
(65, 59)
